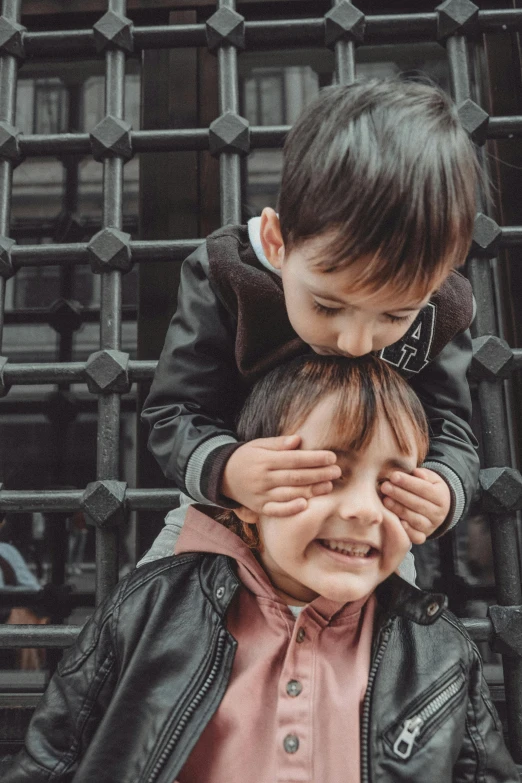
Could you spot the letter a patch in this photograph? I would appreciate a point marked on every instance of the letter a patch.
(410, 355)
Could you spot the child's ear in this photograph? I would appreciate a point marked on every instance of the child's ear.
(271, 238)
(246, 515)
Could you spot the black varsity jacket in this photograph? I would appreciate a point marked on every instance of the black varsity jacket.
(231, 327)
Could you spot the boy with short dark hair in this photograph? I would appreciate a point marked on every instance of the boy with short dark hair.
(294, 654)
(376, 210)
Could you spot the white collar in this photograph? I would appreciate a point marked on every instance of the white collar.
(254, 231)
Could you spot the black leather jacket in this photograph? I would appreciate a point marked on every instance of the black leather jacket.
(132, 696)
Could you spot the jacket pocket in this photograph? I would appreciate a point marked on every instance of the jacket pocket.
(423, 716)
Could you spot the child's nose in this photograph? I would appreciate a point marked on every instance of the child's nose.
(361, 507)
(357, 341)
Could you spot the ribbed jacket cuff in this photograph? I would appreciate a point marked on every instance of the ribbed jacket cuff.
(458, 496)
(205, 469)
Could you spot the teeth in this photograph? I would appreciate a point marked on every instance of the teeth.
(355, 550)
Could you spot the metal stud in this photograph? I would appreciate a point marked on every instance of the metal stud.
(113, 31)
(501, 489)
(474, 120)
(492, 358)
(4, 386)
(104, 502)
(344, 22)
(456, 16)
(225, 27)
(229, 133)
(110, 249)
(65, 315)
(9, 142)
(108, 372)
(6, 262)
(111, 138)
(486, 235)
(11, 38)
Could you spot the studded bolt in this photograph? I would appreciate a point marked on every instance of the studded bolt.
(9, 142)
(110, 249)
(65, 315)
(225, 28)
(111, 138)
(113, 31)
(501, 489)
(108, 372)
(492, 358)
(456, 16)
(11, 38)
(486, 236)
(104, 503)
(344, 22)
(474, 120)
(229, 133)
(6, 262)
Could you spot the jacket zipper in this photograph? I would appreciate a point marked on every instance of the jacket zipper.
(190, 709)
(365, 722)
(412, 727)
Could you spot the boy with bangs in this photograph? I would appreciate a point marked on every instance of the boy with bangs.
(376, 210)
(290, 651)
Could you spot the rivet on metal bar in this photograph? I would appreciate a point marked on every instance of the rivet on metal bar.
(107, 372)
(501, 489)
(65, 315)
(344, 22)
(456, 16)
(12, 38)
(113, 31)
(110, 249)
(9, 143)
(111, 138)
(230, 133)
(507, 630)
(492, 358)
(225, 27)
(474, 120)
(486, 236)
(6, 262)
(104, 502)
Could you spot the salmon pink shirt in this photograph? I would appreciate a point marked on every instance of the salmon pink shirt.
(291, 712)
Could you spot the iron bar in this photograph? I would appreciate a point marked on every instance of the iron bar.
(68, 500)
(504, 533)
(11, 10)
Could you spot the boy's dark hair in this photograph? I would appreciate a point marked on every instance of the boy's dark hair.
(386, 167)
(362, 390)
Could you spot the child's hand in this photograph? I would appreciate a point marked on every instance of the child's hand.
(421, 500)
(271, 476)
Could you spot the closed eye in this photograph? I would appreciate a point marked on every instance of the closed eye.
(328, 311)
(397, 319)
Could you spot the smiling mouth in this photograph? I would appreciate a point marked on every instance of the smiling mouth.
(347, 549)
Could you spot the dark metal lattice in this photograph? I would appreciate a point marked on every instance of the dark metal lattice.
(109, 372)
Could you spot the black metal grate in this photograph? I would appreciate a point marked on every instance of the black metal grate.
(110, 253)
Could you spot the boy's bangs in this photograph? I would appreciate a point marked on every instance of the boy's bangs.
(360, 392)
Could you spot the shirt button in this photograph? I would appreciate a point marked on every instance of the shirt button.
(300, 636)
(291, 743)
(294, 688)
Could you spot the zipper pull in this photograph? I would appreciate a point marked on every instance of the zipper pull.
(403, 745)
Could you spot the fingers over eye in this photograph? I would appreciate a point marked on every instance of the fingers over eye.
(415, 536)
(288, 509)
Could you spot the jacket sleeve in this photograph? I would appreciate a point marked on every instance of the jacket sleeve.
(483, 755)
(444, 392)
(193, 401)
(70, 710)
